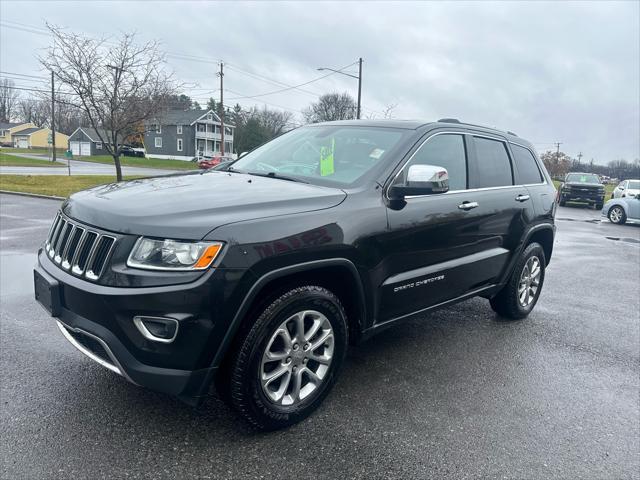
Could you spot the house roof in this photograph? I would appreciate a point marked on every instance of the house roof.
(186, 117)
(92, 133)
(28, 131)
(8, 125)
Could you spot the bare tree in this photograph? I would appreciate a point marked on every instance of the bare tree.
(118, 86)
(557, 164)
(331, 106)
(387, 112)
(8, 99)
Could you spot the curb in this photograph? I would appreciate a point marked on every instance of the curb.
(34, 195)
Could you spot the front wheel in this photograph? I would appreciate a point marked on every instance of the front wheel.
(617, 215)
(518, 297)
(289, 359)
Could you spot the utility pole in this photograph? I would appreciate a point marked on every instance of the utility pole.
(221, 75)
(359, 85)
(579, 158)
(557, 144)
(53, 120)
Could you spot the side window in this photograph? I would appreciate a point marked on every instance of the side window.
(494, 167)
(446, 151)
(527, 170)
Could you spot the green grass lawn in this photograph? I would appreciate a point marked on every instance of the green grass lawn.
(39, 151)
(58, 185)
(7, 160)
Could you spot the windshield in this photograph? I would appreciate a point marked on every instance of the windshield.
(323, 155)
(582, 178)
(634, 184)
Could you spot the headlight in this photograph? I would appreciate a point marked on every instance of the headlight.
(152, 254)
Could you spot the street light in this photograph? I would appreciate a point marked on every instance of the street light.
(359, 78)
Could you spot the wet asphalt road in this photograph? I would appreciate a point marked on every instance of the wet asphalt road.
(459, 394)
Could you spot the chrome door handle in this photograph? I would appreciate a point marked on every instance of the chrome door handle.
(468, 205)
(522, 198)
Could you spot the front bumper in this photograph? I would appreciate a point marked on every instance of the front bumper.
(583, 196)
(98, 321)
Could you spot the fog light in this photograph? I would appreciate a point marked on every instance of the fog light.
(157, 329)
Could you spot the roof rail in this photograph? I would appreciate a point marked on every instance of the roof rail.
(448, 120)
(511, 133)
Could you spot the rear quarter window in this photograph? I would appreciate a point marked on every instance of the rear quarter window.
(527, 170)
(493, 165)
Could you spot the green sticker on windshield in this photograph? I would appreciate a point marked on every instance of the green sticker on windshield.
(326, 159)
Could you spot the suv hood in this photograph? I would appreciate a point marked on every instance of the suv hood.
(188, 206)
(585, 185)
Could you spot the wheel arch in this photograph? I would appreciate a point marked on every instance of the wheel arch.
(339, 275)
(544, 236)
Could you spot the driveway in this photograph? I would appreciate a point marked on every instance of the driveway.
(457, 394)
(79, 167)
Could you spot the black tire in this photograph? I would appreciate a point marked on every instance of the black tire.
(598, 206)
(506, 302)
(562, 202)
(246, 393)
(621, 219)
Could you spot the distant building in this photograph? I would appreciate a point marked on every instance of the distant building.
(86, 141)
(183, 135)
(8, 128)
(37, 137)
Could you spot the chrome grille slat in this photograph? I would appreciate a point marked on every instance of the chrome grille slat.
(54, 237)
(77, 248)
(67, 245)
(76, 254)
(62, 239)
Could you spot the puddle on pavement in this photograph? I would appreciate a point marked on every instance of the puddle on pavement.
(625, 239)
(591, 220)
(16, 274)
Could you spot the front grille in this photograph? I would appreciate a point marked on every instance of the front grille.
(77, 248)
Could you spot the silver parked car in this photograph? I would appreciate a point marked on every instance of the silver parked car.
(626, 188)
(621, 210)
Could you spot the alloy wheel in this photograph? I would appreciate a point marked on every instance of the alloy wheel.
(615, 215)
(529, 282)
(297, 358)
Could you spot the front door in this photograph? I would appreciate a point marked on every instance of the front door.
(444, 246)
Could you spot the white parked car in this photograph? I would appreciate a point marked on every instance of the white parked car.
(626, 188)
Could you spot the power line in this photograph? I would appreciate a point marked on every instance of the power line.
(195, 58)
(291, 87)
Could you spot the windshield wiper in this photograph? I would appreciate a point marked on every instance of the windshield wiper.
(276, 175)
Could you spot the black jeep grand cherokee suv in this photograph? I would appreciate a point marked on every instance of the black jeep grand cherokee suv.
(257, 277)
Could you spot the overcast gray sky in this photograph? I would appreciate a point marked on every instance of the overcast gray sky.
(557, 71)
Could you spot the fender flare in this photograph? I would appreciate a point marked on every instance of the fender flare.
(257, 287)
(525, 241)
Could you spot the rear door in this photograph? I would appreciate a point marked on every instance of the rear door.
(505, 205)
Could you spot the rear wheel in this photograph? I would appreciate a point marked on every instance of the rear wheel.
(562, 202)
(518, 297)
(289, 358)
(598, 206)
(617, 215)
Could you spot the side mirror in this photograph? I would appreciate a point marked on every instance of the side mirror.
(422, 180)
(621, 188)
